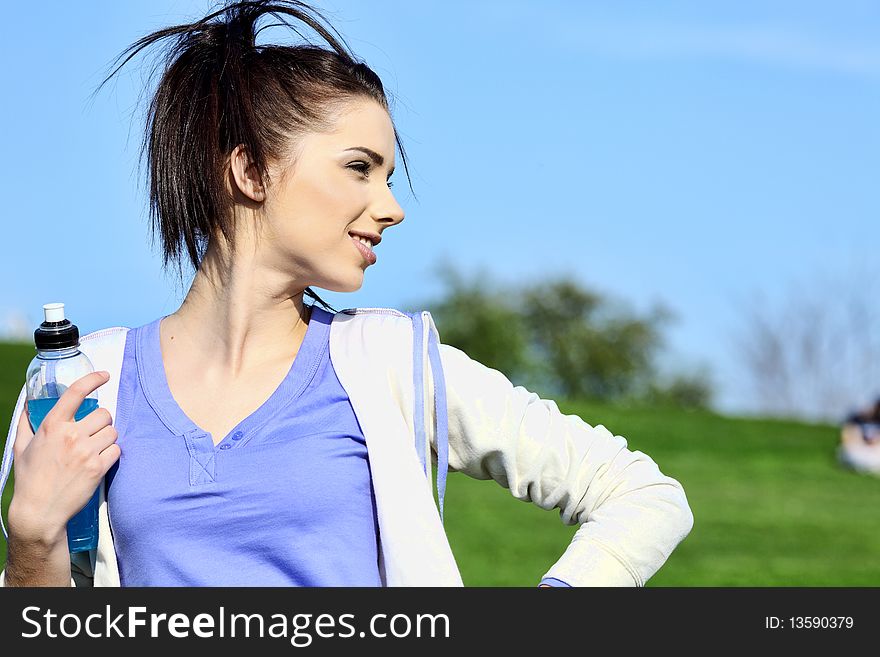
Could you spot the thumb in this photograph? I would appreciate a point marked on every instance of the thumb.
(24, 434)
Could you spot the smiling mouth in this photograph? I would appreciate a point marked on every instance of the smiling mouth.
(364, 250)
(363, 240)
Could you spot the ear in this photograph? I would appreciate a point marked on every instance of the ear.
(245, 175)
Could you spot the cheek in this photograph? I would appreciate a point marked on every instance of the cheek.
(316, 211)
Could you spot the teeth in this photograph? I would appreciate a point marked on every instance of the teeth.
(364, 241)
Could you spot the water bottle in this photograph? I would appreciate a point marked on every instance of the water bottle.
(58, 363)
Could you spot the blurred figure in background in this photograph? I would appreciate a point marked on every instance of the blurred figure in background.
(859, 447)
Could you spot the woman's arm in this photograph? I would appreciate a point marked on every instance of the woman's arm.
(632, 516)
(35, 557)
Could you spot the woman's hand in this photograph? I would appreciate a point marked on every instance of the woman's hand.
(58, 469)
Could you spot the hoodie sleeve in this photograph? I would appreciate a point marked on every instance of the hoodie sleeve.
(631, 515)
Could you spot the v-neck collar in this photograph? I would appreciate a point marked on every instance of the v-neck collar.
(151, 372)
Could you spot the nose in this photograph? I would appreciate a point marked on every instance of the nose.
(388, 210)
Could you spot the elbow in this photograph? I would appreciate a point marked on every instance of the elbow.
(664, 497)
(686, 521)
(681, 515)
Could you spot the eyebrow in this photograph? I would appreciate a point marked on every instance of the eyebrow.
(373, 155)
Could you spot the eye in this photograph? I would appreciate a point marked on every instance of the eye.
(364, 168)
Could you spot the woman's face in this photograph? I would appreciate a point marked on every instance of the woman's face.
(331, 189)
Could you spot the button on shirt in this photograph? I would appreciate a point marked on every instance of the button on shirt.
(285, 499)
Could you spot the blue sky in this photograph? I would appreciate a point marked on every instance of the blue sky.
(696, 154)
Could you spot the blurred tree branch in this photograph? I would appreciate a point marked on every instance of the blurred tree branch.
(816, 352)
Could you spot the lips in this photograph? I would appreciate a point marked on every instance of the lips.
(374, 238)
(368, 255)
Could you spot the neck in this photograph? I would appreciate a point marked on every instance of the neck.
(239, 314)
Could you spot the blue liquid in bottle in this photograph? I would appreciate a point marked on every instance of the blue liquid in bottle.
(82, 529)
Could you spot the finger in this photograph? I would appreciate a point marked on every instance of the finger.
(109, 456)
(103, 438)
(23, 433)
(71, 399)
(95, 421)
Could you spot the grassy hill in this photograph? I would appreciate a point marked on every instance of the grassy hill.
(771, 505)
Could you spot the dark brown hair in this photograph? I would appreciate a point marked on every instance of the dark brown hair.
(218, 90)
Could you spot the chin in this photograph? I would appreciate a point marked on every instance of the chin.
(349, 284)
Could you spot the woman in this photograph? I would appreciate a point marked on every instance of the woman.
(262, 441)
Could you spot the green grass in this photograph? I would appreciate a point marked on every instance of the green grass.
(771, 505)
(14, 359)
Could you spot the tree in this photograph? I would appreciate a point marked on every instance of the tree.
(815, 352)
(559, 338)
(594, 347)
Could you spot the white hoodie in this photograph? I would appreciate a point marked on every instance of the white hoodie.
(632, 516)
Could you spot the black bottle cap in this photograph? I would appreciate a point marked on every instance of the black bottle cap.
(56, 335)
